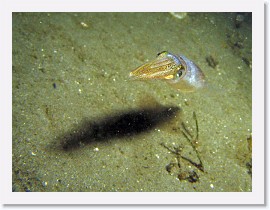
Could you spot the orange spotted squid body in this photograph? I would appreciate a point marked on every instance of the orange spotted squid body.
(180, 72)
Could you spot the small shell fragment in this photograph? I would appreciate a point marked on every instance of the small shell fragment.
(179, 15)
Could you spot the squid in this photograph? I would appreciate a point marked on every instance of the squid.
(180, 72)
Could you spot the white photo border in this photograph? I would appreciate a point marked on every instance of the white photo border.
(257, 196)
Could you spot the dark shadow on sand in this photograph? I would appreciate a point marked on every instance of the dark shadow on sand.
(120, 125)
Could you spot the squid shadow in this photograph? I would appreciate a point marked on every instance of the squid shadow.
(120, 125)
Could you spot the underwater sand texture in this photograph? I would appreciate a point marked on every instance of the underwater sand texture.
(80, 124)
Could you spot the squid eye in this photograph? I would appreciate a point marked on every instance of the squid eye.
(180, 73)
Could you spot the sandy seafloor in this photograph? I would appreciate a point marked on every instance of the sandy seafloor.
(80, 124)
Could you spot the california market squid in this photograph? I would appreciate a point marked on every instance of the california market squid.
(180, 72)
